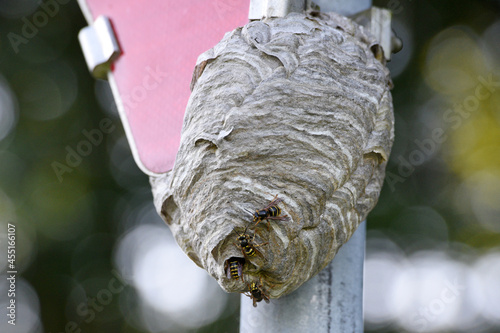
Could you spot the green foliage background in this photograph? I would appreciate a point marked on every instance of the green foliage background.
(68, 230)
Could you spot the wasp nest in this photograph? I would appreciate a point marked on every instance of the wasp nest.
(297, 107)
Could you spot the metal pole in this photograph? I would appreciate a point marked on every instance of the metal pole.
(332, 301)
(346, 8)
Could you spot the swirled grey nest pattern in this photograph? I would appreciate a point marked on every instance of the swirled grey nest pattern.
(297, 107)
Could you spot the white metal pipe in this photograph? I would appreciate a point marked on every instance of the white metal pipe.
(346, 8)
(332, 301)
(274, 8)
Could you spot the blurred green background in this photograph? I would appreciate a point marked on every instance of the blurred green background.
(92, 254)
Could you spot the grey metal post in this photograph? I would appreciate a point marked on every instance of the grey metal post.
(332, 301)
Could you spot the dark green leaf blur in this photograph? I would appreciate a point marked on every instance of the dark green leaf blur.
(93, 256)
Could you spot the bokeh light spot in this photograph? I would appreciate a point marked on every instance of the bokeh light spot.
(169, 284)
(18, 9)
(8, 109)
(46, 95)
(453, 60)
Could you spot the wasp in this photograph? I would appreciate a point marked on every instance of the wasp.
(256, 293)
(234, 268)
(246, 244)
(270, 212)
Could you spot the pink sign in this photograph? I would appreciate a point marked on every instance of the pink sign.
(160, 41)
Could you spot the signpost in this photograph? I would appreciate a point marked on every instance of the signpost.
(148, 53)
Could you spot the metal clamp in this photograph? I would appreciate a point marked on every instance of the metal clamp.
(260, 9)
(100, 46)
(378, 22)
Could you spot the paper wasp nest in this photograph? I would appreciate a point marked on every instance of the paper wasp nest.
(297, 107)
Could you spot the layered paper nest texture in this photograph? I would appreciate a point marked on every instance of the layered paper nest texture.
(297, 107)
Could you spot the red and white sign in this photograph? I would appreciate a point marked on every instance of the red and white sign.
(160, 41)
